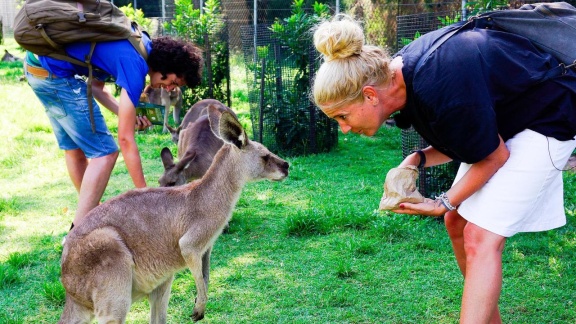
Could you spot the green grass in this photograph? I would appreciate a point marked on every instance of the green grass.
(311, 249)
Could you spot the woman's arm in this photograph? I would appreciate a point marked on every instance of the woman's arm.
(478, 174)
(104, 96)
(433, 157)
(127, 124)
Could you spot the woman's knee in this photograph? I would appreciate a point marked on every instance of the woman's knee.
(479, 240)
(454, 223)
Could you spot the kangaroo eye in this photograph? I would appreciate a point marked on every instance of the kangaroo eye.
(266, 157)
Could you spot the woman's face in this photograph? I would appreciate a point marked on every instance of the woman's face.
(360, 118)
(363, 117)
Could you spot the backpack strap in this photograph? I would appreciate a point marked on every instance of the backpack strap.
(554, 72)
(89, 86)
(439, 42)
(136, 41)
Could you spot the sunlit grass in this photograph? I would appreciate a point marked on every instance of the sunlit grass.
(310, 249)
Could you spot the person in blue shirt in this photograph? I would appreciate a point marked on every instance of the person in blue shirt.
(481, 98)
(61, 88)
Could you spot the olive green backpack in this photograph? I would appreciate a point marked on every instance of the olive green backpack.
(45, 27)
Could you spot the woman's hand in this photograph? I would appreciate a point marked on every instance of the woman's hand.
(142, 123)
(429, 208)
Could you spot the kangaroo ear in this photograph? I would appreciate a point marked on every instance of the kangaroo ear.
(186, 160)
(231, 130)
(167, 158)
(214, 115)
(225, 126)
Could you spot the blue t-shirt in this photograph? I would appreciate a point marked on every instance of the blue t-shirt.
(118, 60)
(481, 83)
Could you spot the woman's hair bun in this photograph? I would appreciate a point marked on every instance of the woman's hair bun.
(339, 38)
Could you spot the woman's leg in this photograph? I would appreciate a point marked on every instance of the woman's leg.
(455, 225)
(483, 275)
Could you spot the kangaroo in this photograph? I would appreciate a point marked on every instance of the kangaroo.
(131, 246)
(161, 96)
(199, 146)
(196, 147)
(8, 57)
(198, 109)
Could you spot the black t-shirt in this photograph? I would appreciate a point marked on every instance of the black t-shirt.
(482, 83)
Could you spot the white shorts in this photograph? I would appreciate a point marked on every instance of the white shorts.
(527, 193)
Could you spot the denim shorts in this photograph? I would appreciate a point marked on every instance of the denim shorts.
(66, 104)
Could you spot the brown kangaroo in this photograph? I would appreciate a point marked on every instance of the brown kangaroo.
(160, 96)
(131, 246)
(197, 146)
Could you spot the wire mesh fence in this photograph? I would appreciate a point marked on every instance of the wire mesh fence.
(434, 180)
(283, 117)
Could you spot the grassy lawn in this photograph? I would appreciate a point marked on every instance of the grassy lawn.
(311, 249)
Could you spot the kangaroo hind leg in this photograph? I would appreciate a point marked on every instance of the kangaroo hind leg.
(75, 313)
(99, 270)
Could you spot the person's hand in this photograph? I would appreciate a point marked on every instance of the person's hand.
(429, 208)
(142, 123)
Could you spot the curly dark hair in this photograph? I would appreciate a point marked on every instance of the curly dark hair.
(169, 55)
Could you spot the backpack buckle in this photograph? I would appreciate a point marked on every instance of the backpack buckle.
(81, 17)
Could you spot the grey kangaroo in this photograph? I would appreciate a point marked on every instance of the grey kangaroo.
(131, 246)
(198, 109)
(197, 146)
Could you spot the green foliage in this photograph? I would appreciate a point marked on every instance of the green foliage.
(206, 29)
(7, 318)
(54, 292)
(137, 16)
(295, 33)
(307, 222)
(447, 20)
(287, 100)
(350, 264)
(406, 41)
(9, 276)
(20, 260)
(479, 6)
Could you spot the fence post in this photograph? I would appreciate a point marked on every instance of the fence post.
(311, 106)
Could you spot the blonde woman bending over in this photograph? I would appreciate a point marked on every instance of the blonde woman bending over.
(482, 99)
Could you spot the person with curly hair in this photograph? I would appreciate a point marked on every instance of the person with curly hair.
(61, 88)
(483, 98)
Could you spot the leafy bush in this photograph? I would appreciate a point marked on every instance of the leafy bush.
(479, 6)
(283, 71)
(205, 28)
(137, 16)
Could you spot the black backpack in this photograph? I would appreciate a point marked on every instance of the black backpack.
(551, 27)
(44, 27)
